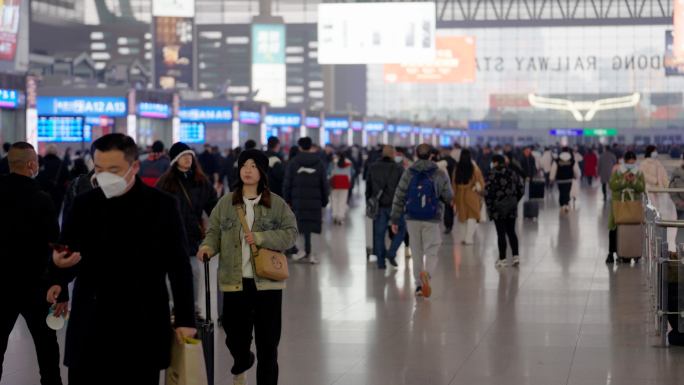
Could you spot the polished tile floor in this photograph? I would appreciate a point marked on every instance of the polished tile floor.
(562, 317)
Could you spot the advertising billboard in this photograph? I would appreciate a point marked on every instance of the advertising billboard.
(674, 66)
(173, 8)
(173, 46)
(678, 33)
(268, 64)
(366, 33)
(454, 63)
(9, 28)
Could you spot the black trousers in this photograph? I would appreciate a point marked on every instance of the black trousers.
(564, 193)
(260, 311)
(612, 241)
(113, 375)
(448, 216)
(307, 243)
(34, 309)
(603, 188)
(506, 227)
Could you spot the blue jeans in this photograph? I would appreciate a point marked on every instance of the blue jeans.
(380, 226)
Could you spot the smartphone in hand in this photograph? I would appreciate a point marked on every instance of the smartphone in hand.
(60, 248)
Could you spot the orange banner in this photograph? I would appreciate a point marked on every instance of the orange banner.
(455, 63)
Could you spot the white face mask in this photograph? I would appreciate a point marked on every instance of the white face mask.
(622, 161)
(113, 185)
(33, 176)
(654, 155)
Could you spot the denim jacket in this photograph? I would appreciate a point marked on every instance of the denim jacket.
(274, 228)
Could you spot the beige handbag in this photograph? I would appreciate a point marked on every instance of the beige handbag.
(268, 264)
(629, 212)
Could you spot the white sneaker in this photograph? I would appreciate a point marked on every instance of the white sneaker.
(516, 260)
(313, 260)
(240, 379)
(501, 263)
(299, 256)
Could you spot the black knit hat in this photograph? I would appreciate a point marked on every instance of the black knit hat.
(179, 149)
(256, 155)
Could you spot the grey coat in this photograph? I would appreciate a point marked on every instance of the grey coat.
(605, 166)
(442, 185)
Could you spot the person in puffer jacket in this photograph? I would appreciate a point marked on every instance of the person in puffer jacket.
(655, 174)
(564, 170)
(677, 181)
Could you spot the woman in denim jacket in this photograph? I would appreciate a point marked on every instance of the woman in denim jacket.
(250, 302)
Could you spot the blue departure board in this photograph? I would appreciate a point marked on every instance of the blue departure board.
(63, 129)
(192, 132)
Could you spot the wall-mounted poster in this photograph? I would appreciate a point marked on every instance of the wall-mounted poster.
(9, 27)
(455, 63)
(173, 38)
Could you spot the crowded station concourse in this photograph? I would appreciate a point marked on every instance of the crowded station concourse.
(211, 192)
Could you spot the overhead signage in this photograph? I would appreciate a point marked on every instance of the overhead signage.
(269, 76)
(566, 133)
(153, 110)
(451, 132)
(250, 117)
(173, 52)
(478, 126)
(375, 126)
(427, 130)
(445, 141)
(404, 128)
(206, 114)
(391, 128)
(336, 124)
(280, 120)
(454, 63)
(63, 129)
(416, 129)
(601, 132)
(102, 121)
(312, 122)
(81, 106)
(8, 98)
(364, 33)
(192, 132)
(357, 125)
(173, 8)
(9, 28)
(438, 131)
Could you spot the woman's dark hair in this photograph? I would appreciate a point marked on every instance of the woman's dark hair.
(464, 169)
(262, 188)
(168, 182)
(498, 159)
(649, 150)
(342, 161)
(79, 167)
(629, 155)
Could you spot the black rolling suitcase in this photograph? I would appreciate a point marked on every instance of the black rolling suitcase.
(531, 209)
(205, 330)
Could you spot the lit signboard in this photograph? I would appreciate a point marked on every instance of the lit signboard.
(312, 122)
(192, 132)
(81, 106)
(8, 99)
(206, 114)
(357, 125)
(566, 133)
(153, 110)
(250, 117)
(451, 132)
(404, 128)
(269, 75)
(63, 129)
(391, 128)
(601, 132)
(336, 124)
(375, 126)
(477, 126)
(416, 129)
(427, 130)
(279, 120)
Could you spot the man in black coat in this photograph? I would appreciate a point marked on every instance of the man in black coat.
(79, 185)
(276, 168)
(28, 225)
(528, 164)
(208, 162)
(125, 238)
(384, 175)
(4, 163)
(306, 191)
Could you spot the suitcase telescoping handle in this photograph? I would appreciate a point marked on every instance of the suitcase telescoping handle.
(208, 290)
(631, 193)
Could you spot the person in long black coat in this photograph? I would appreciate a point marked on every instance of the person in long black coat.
(125, 240)
(307, 191)
(28, 225)
(53, 178)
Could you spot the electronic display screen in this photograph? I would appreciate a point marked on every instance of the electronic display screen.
(63, 129)
(192, 132)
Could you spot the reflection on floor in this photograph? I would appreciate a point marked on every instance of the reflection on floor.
(562, 317)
